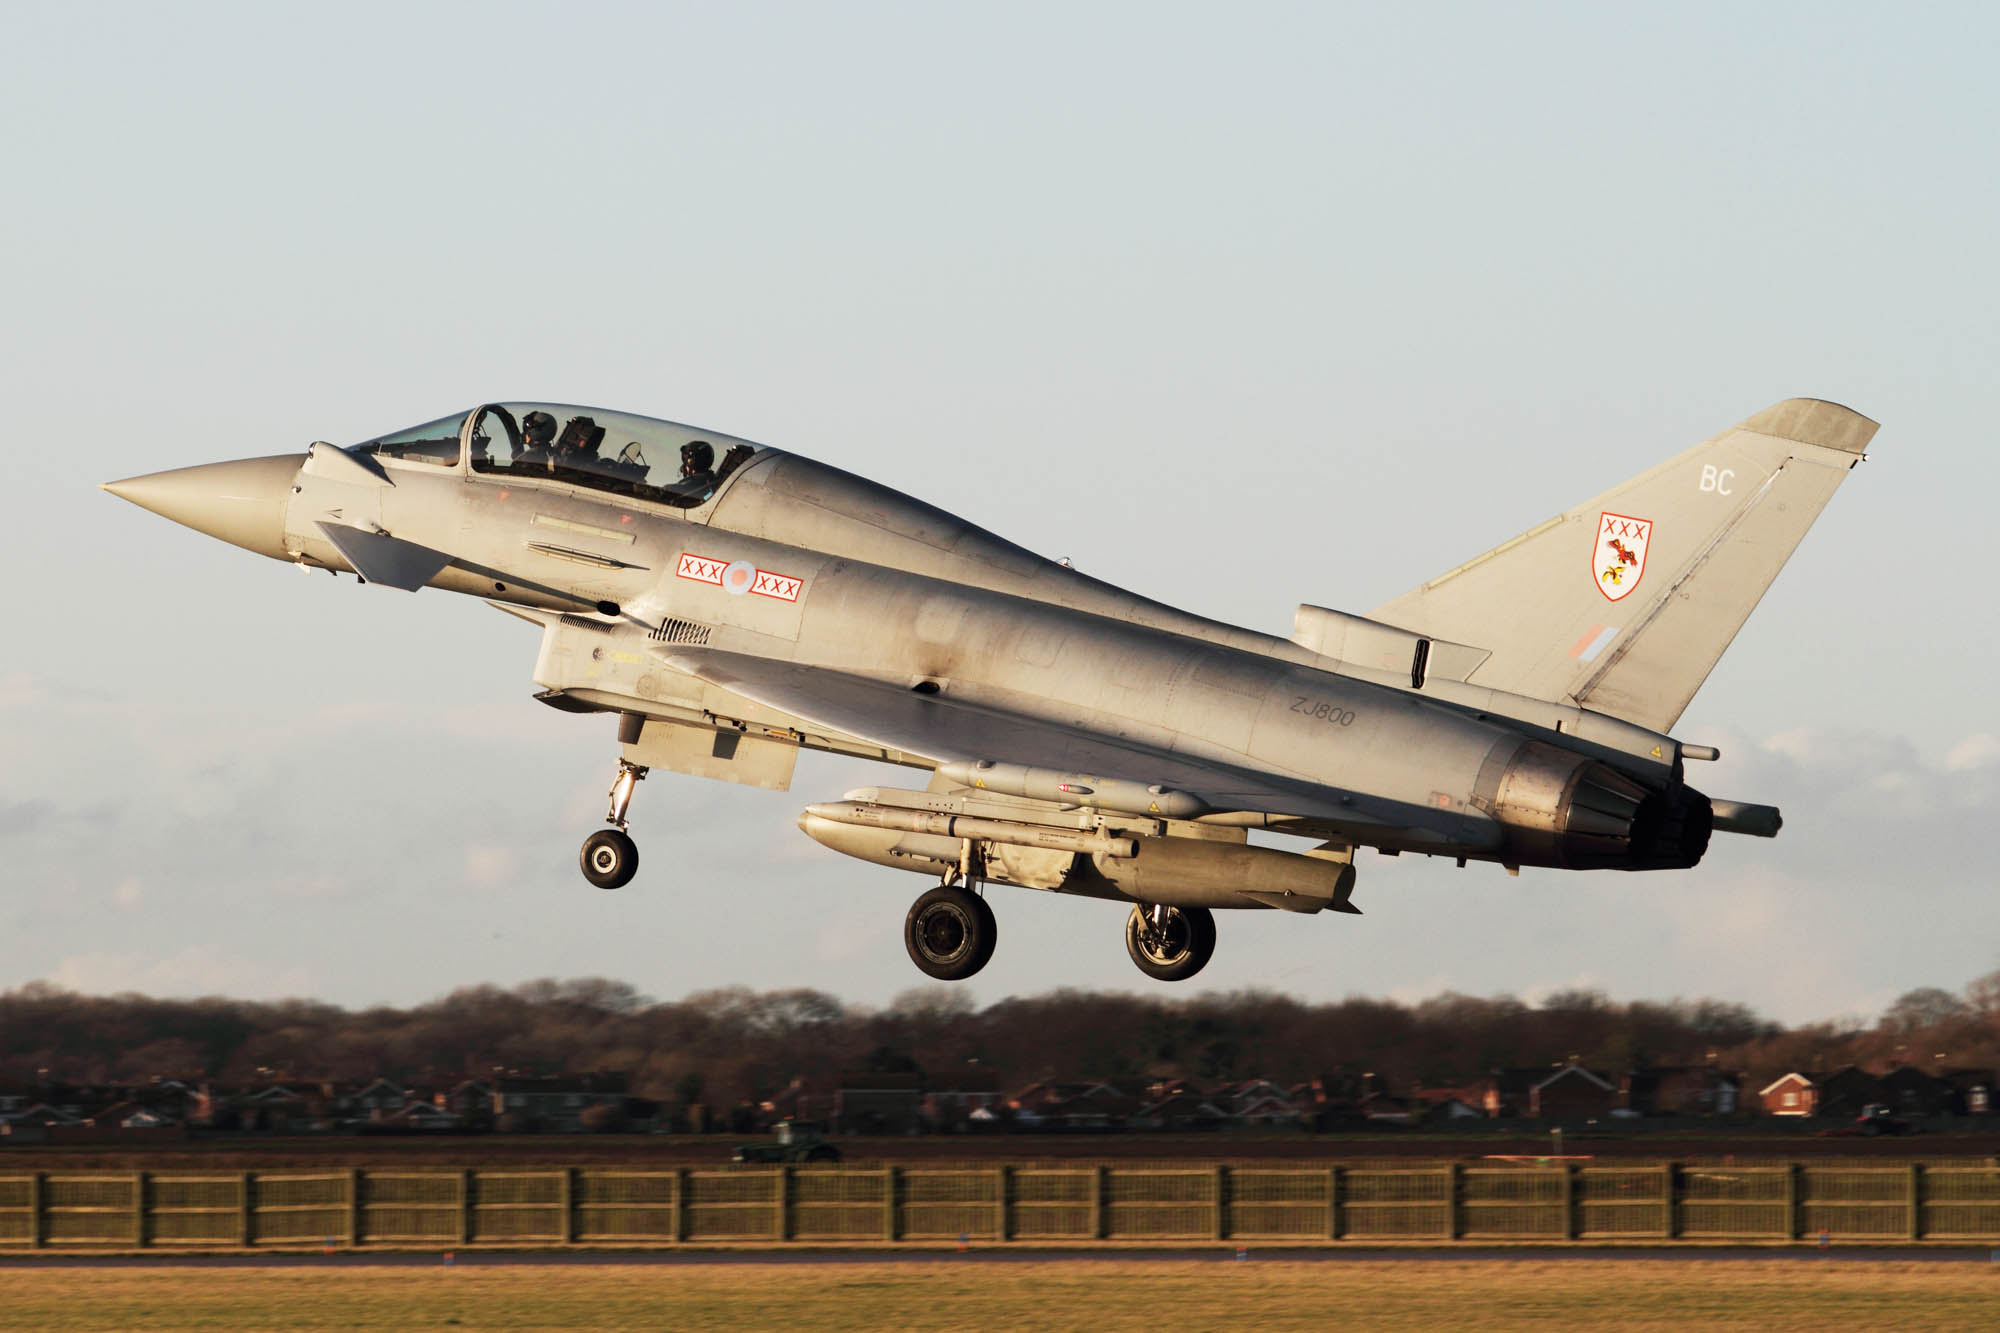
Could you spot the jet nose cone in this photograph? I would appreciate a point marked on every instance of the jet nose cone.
(242, 503)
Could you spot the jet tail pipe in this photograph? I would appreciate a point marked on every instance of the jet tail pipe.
(1047, 784)
(867, 814)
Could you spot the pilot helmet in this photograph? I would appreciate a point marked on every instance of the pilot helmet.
(538, 427)
(697, 456)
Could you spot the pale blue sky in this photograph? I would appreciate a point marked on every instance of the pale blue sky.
(1239, 307)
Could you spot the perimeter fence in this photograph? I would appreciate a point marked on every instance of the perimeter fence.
(1046, 1203)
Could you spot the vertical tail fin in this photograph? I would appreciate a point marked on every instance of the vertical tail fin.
(1624, 603)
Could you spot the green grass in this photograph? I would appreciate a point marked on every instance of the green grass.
(1099, 1295)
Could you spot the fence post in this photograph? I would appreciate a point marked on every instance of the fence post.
(1333, 1228)
(1794, 1202)
(1453, 1183)
(354, 1214)
(784, 1227)
(1006, 1204)
(1916, 1229)
(1670, 1191)
(1568, 1200)
(465, 1207)
(680, 1224)
(1097, 1211)
(566, 1196)
(36, 1199)
(139, 1209)
(243, 1236)
(1216, 1229)
(891, 1177)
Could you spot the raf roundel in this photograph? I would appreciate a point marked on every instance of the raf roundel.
(736, 579)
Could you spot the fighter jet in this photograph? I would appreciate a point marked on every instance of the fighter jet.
(730, 604)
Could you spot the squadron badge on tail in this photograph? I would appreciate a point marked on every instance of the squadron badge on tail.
(1619, 561)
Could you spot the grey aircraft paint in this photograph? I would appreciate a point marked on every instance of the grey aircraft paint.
(733, 603)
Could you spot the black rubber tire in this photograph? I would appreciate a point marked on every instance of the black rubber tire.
(1190, 943)
(949, 934)
(609, 858)
(991, 931)
(824, 1153)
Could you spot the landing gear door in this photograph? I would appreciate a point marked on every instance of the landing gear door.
(726, 754)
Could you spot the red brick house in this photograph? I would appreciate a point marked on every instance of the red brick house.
(1789, 1094)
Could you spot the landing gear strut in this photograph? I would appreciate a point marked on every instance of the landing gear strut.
(950, 931)
(610, 858)
(1170, 943)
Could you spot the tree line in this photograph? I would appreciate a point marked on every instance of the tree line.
(723, 1046)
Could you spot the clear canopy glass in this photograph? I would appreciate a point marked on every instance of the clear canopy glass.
(630, 455)
(641, 457)
(434, 442)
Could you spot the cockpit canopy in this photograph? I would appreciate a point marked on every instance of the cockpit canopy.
(635, 456)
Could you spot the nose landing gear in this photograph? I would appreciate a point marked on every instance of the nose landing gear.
(610, 858)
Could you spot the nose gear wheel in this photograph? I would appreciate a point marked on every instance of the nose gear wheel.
(609, 858)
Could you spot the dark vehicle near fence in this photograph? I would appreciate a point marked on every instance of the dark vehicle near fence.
(791, 1141)
(1875, 1121)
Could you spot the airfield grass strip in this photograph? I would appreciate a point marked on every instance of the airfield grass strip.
(1102, 1295)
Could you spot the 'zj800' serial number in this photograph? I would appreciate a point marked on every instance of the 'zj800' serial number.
(1319, 710)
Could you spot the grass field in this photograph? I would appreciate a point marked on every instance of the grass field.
(1100, 1296)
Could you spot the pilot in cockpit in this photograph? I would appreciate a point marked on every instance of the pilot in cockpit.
(538, 432)
(697, 469)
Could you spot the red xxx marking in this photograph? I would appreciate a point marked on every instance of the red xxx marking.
(764, 583)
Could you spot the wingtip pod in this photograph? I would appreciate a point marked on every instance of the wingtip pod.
(1815, 421)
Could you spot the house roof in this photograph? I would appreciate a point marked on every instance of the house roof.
(1907, 1076)
(1266, 1105)
(1567, 1070)
(1803, 1081)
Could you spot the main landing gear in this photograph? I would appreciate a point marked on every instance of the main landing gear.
(950, 933)
(610, 858)
(1170, 943)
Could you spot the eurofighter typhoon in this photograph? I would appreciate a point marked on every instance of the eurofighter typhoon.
(730, 603)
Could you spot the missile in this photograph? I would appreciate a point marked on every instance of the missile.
(1047, 784)
(868, 814)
